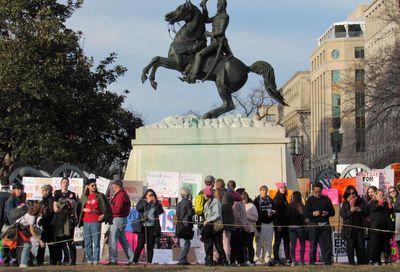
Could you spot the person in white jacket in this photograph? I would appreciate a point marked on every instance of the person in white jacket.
(251, 217)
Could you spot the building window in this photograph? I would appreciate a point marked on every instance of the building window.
(271, 117)
(359, 75)
(335, 76)
(359, 52)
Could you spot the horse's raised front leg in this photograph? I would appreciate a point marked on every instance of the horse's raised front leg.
(163, 62)
(148, 67)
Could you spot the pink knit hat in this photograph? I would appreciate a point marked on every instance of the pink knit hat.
(280, 185)
(208, 191)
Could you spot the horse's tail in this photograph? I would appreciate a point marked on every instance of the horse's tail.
(267, 72)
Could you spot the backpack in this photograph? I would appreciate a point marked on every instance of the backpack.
(199, 204)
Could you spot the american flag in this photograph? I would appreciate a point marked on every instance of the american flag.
(297, 161)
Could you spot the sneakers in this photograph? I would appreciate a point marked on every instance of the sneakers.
(23, 265)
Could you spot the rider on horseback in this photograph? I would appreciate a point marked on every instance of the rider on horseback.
(219, 43)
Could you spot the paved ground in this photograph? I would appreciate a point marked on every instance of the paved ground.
(195, 268)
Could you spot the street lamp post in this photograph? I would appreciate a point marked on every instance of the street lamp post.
(336, 144)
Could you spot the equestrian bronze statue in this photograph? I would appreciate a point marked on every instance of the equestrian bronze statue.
(190, 55)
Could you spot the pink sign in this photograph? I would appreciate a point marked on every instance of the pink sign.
(333, 194)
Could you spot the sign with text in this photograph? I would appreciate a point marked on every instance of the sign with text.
(165, 184)
(191, 181)
(381, 178)
(167, 220)
(102, 184)
(134, 189)
(341, 184)
(33, 186)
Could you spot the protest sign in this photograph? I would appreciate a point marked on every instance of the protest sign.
(367, 179)
(134, 189)
(167, 220)
(341, 184)
(165, 184)
(102, 184)
(75, 185)
(191, 181)
(33, 185)
(333, 195)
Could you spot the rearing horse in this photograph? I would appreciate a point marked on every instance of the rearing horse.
(229, 74)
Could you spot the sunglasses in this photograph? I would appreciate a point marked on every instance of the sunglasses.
(92, 185)
(392, 192)
(352, 193)
(151, 195)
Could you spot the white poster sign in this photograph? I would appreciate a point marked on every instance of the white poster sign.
(102, 184)
(381, 178)
(33, 187)
(192, 181)
(165, 184)
(75, 185)
(167, 220)
(134, 189)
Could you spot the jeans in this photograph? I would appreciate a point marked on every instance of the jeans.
(184, 252)
(91, 233)
(294, 234)
(26, 251)
(117, 233)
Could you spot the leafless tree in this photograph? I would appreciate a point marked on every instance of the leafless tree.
(256, 103)
(378, 93)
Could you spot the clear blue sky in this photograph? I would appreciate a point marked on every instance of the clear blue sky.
(283, 33)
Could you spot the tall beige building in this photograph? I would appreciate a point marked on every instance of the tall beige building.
(382, 22)
(296, 119)
(333, 63)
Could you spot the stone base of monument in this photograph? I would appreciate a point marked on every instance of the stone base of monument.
(250, 152)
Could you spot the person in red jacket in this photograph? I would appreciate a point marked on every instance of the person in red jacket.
(121, 206)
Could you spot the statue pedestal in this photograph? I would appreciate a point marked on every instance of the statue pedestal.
(252, 156)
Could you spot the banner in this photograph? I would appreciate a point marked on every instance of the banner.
(192, 181)
(102, 185)
(134, 189)
(339, 247)
(167, 220)
(75, 185)
(165, 184)
(381, 178)
(33, 187)
(341, 184)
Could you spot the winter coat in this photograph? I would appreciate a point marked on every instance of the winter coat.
(184, 214)
(263, 217)
(252, 217)
(239, 211)
(104, 206)
(212, 210)
(143, 206)
(322, 203)
(356, 218)
(280, 204)
(378, 215)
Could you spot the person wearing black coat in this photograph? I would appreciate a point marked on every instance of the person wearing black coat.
(148, 228)
(47, 235)
(379, 214)
(184, 226)
(280, 204)
(354, 210)
(317, 210)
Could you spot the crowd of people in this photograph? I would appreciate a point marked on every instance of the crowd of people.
(235, 229)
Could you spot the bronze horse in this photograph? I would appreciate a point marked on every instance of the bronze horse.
(229, 74)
